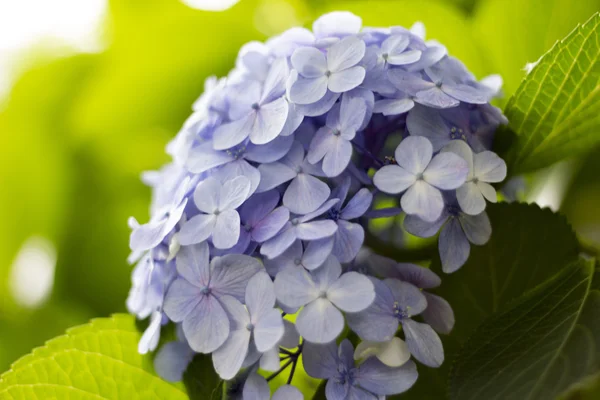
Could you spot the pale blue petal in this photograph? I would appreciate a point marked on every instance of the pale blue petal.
(230, 274)
(421, 277)
(438, 314)
(320, 322)
(149, 340)
(228, 359)
(423, 200)
(345, 54)
(192, 264)
(279, 243)
(393, 179)
(320, 144)
(395, 44)
(269, 122)
(470, 199)
(207, 327)
(270, 152)
(256, 388)
(393, 106)
(414, 153)
(268, 330)
(290, 258)
(325, 276)
(172, 360)
(421, 228)
(454, 246)
(424, 344)
(294, 119)
(466, 93)
(316, 230)
(320, 107)
(308, 90)
(446, 171)
(227, 230)
(235, 169)
(257, 207)
(352, 114)
(233, 193)
(319, 211)
(309, 62)
(320, 361)
(207, 195)
(287, 392)
(148, 236)
(269, 361)
(203, 158)
(408, 57)
(427, 122)
(337, 23)
(290, 338)
(408, 82)
(489, 167)
(335, 390)
(316, 253)
(346, 79)
(270, 225)
(305, 194)
(352, 292)
(337, 157)
(477, 228)
(378, 378)
(260, 296)
(295, 287)
(233, 133)
(358, 205)
(408, 297)
(435, 98)
(348, 240)
(181, 299)
(273, 175)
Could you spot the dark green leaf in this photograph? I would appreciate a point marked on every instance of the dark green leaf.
(541, 346)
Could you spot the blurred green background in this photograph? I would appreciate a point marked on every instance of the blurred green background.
(77, 130)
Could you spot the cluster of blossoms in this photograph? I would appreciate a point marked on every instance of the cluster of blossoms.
(263, 212)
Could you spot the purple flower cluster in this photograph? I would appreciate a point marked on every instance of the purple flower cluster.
(263, 212)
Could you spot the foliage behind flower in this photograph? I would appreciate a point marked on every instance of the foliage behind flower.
(263, 211)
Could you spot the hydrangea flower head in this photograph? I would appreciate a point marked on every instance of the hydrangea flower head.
(266, 206)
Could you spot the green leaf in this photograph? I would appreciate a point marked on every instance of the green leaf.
(556, 110)
(540, 347)
(98, 361)
(528, 246)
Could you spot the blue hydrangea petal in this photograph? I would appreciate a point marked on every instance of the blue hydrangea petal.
(427, 122)
(348, 239)
(148, 236)
(275, 82)
(477, 228)
(446, 171)
(454, 246)
(358, 205)
(207, 195)
(206, 327)
(320, 360)
(320, 144)
(327, 274)
(290, 338)
(203, 158)
(352, 292)
(293, 121)
(337, 23)
(309, 62)
(408, 82)
(424, 344)
(470, 198)
(438, 314)
(172, 360)
(268, 330)
(464, 151)
(421, 277)
(319, 107)
(436, 98)
(408, 57)
(429, 57)
(294, 287)
(256, 388)
(230, 274)
(346, 80)
(305, 194)
(316, 253)
(258, 206)
(352, 115)
(235, 169)
(337, 391)
(193, 265)
(270, 152)
(233, 133)
(273, 175)
(414, 154)
(308, 90)
(269, 361)
(378, 378)
(423, 200)
(182, 297)
(320, 322)
(228, 359)
(393, 179)
(407, 295)
(275, 246)
(466, 93)
(345, 54)
(233, 193)
(487, 191)
(421, 228)
(227, 230)
(287, 392)
(393, 106)
(288, 259)
(149, 340)
(338, 157)
(378, 322)
(269, 122)
(489, 167)
(395, 44)
(326, 206)
(260, 296)
(270, 225)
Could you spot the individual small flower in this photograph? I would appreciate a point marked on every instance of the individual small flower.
(259, 322)
(194, 298)
(332, 143)
(261, 219)
(220, 220)
(337, 71)
(349, 236)
(457, 230)
(395, 303)
(422, 176)
(323, 293)
(442, 90)
(259, 112)
(484, 168)
(257, 388)
(310, 256)
(303, 228)
(393, 353)
(305, 193)
(369, 380)
(147, 236)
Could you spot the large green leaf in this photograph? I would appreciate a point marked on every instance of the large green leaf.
(528, 246)
(540, 347)
(555, 113)
(97, 361)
